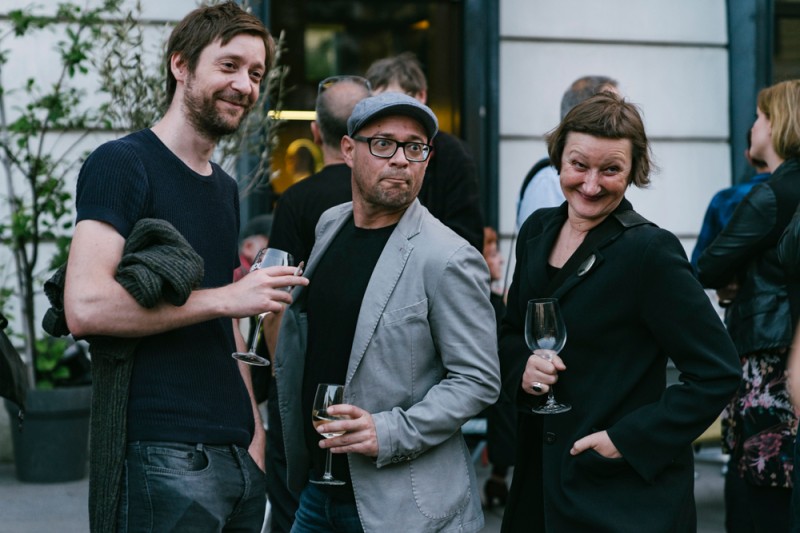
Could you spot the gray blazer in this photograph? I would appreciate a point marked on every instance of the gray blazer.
(423, 362)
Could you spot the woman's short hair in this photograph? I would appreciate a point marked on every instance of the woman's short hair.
(780, 103)
(608, 116)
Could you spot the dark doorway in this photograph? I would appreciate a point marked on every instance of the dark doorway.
(455, 40)
(333, 37)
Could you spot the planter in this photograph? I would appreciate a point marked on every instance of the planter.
(53, 445)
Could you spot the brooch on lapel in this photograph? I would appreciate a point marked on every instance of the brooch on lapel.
(587, 265)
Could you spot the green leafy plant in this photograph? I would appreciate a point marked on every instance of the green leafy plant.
(137, 99)
(36, 195)
(103, 44)
(49, 370)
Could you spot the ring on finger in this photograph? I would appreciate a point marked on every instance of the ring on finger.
(536, 386)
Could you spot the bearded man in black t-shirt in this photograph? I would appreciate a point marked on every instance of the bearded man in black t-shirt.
(195, 442)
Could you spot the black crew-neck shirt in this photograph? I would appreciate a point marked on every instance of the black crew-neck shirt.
(184, 385)
(337, 288)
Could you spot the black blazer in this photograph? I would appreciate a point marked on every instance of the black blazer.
(637, 306)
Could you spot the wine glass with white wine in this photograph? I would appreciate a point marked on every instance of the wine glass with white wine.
(326, 396)
(545, 330)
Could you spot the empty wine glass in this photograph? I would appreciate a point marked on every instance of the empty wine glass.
(545, 330)
(267, 257)
(326, 396)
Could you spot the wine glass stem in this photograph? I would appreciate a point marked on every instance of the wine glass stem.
(257, 333)
(328, 459)
(551, 396)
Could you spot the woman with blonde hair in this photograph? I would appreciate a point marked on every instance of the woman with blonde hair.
(759, 423)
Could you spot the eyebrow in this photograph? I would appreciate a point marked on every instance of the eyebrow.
(414, 137)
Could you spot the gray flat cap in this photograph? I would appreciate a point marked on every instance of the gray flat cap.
(391, 103)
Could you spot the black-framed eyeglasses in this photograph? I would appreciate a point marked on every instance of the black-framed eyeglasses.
(415, 151)
(329, 82)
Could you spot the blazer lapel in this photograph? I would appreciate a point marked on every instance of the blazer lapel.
(586, 269)
(538, 246)
(625, 218)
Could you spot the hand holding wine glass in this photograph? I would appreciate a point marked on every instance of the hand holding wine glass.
(326, 396)
(545, 330)
(267, 257)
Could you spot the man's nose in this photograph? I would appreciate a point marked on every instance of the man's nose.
(399, 157)
(242, 82)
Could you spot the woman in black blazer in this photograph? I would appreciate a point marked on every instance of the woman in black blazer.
(759, 424)
(621, 460)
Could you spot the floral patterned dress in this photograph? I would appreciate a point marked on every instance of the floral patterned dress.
(759, 425)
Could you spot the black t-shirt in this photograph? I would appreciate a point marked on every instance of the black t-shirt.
(185, 387)
(300, 207)
(333, 304)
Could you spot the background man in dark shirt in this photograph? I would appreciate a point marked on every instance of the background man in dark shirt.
(301, 204)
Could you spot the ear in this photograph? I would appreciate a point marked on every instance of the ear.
(178, 67)
(315, 133)
(422, 96)
(348, 146)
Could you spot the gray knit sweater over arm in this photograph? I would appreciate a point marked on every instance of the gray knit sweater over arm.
(157, 264)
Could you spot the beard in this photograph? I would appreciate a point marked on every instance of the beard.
(202, 112)
(394, 197)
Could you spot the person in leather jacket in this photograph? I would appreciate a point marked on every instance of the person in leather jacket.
(758, 424)
(789, 257)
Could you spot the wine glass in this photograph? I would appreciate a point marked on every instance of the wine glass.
(545, 330)
(267, 257)
(326, 396)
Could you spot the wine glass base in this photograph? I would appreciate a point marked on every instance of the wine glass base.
(552, 409)
(331, 481)
(250, 358)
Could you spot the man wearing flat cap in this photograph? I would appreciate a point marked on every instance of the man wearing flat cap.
(397, 310)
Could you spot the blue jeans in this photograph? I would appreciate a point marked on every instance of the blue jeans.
(168, 486)
(319, 513)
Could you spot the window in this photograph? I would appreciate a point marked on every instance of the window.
(786, 56)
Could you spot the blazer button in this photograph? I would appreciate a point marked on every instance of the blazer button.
(549, 437)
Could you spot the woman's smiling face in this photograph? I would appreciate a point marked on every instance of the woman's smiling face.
(595, 173)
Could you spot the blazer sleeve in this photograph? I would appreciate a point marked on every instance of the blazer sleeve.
(745, 236)
(685, 327)
(513, 350)
(463, 329)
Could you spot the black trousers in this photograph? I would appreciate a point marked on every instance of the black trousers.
(753, 509)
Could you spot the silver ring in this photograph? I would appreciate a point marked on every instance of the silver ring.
(536, 386)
